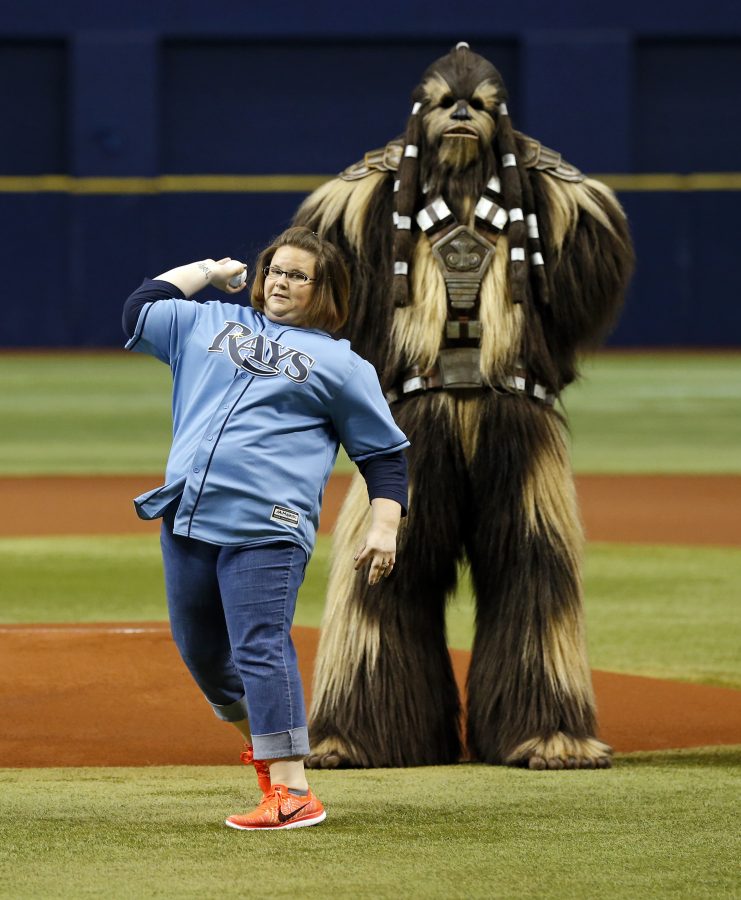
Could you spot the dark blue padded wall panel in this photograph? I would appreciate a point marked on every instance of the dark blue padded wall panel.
(113, 105)
(147, 99)
(108, 239)
(658, 305)
(33, 107)
(34, 257)
(577, 98)
(194, 226)
(97, 249)
(381, 19)
(90, 252)
(715, 310)
(687, 109)
(684, 292)
(280, 107)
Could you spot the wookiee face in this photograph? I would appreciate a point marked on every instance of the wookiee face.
(460, 94)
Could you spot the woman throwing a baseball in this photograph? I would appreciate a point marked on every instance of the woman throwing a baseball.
(262, 398)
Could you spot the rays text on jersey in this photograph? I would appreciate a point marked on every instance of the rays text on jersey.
(257, 354)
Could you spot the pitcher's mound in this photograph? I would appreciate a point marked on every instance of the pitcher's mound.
(119, 695)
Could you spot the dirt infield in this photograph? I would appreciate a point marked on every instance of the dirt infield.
(119, 695)
(107, 695)
(642, 509)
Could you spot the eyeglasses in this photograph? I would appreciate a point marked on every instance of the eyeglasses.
(294, 277)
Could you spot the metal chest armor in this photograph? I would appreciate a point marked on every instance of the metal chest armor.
(464, 255)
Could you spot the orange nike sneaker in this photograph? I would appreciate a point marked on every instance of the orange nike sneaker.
(281, 809)
(261, 768)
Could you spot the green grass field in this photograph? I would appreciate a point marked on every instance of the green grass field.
(658, 825)
(665, 413)
(109, 413)
(670, 612)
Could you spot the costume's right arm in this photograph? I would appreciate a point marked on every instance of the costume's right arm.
(589, 254)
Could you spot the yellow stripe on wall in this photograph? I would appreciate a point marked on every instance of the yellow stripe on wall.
(162, 184)
(278, 184)
(698, 181)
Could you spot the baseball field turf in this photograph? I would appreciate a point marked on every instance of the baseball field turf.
(109, 413)
(657, 825)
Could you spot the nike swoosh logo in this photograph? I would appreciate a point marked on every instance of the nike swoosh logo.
(282, 818)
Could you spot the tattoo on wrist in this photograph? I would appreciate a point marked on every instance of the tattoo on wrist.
(205, 269)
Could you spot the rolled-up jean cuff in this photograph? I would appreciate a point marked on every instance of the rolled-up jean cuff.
(232, 712)
(294, 742)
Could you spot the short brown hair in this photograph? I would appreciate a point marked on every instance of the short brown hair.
(330, 303)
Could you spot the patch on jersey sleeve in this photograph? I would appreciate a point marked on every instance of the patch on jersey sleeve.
(285, 515)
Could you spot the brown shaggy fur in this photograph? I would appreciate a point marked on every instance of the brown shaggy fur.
(489, 471)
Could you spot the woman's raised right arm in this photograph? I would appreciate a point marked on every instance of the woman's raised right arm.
(195, 276)
(182, 282)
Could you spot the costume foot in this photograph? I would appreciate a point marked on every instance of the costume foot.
(325, 761)
(332, 753)
(561, 751)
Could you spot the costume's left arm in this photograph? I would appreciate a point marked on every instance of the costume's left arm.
(589, 261)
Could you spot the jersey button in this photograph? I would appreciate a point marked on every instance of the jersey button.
(209, 437)
(243, 375)
(196, 470)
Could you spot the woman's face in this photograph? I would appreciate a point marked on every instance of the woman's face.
(287, 299)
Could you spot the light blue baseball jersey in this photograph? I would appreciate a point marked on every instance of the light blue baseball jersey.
(259, 410)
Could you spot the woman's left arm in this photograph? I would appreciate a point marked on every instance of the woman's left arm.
(387, 481)
(379, 546)
(374, 441)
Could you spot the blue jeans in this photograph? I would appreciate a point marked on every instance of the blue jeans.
(231, 610)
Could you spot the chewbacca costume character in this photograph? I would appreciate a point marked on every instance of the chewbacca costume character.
(482, 265)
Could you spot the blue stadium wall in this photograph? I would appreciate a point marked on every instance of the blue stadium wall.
(115, 116)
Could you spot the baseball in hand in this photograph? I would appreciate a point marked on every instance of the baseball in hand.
(238, 280)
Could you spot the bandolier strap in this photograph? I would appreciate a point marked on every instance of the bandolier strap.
(458, 369)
